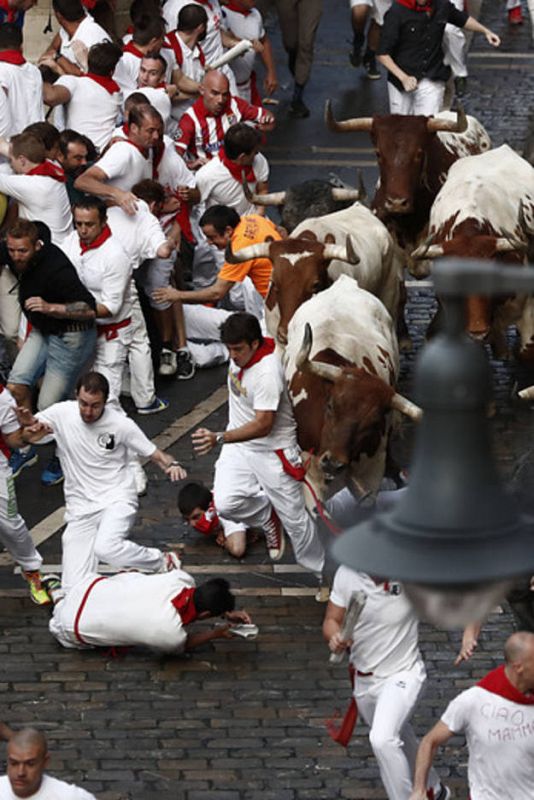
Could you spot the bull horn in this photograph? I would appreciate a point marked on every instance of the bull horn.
(526, 394)
(356, 124)
(405, 406)
(435, 124)
(268, 199)
(260, 250)
(507, 245)
(328, 372)
(345, 194)
(428, 251)
(346, 253)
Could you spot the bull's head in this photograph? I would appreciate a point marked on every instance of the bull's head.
(300, 270)
(355, 414)
(401, 145)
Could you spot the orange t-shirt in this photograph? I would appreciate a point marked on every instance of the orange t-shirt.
(251, 230)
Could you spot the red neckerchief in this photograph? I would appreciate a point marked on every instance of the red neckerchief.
(173, 43)
(108, 84)
(206, 3)
(209, 521)
(49, 170)
(12, 57)
(185, 606)
(342, 733)
(89, 4)
(497, 683)
(131, 48)
(100, 239)
(237, 171)
(265, 349)
(413, 6)
(126, 130)
(237, 9)
(11, 13)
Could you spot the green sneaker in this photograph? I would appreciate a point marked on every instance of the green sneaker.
(38, 593)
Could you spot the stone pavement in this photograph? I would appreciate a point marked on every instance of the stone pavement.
(245, 720)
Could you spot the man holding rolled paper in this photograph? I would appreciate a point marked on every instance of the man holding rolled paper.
(389, 674)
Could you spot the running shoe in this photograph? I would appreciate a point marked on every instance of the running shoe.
(369, 62)
(52, 473)
(444, 793)
(185, 366)
(171, 561)
(274, 535)
(52, 584)
(167, 363)
(299, 109)
(155, 407)
(38, 593)
(19, 460)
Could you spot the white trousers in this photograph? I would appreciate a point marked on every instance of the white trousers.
(249, 483)
(427, 99)
(14, 533)
(140, 364)
(103, 536)
(111, 357)
(9, 309)
(386, 705)
(455, 46)
(202, 326)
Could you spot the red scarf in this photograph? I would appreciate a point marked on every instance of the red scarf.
(209, 521)
(108, 84)
(185, 606)
(100, 239)
(497, 683)
(237, 171)
(342, 734)
(126, 130)
(49, 170)
(131, 48)
(413, 6)
(265, 349)
(237, 9)
(11, 13)
(12, 57)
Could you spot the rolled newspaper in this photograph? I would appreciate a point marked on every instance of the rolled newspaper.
(235, 51)
(354, 609)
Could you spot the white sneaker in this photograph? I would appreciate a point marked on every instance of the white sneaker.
(167, 363)
(140, 478)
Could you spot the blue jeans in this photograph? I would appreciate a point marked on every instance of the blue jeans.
(59, 358)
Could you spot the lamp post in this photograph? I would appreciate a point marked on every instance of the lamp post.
(456, 539)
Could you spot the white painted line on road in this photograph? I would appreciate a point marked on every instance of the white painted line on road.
(52, 524)
(200, 569)
(501, 55)
(319, 162)
(424, 284)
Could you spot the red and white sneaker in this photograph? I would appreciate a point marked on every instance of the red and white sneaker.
(515, 16)
(171, 561)
(274, 535)
(444, 793)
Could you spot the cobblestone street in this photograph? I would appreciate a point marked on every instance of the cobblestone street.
(245, 720)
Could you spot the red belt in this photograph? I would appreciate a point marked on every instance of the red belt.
(110, 330)
(82, 606)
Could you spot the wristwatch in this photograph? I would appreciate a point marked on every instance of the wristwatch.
(219, 438)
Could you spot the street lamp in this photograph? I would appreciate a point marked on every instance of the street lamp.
(455, 539)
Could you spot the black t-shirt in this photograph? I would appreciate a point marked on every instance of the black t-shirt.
(51, 276)
(413, 39)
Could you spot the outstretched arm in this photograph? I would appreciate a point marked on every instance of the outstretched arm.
(474, 25)
(425, 755)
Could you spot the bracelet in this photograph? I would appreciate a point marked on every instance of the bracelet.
(174, 464)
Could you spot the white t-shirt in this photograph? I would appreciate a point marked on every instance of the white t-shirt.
(212, 44)
(50, 789)
(218, 187)
(8, 424)
(140, 234)
(41, 198)
(127, 70)
(244, 26)
(23, 86)
(88, 33)
(95, 457)
(500, 738)
(125, 165)
(107, 272)
(158, 98)
(262, 387)
(92, 110)
(191, 67)
(385, 638)
(172, 170)
(125, 610)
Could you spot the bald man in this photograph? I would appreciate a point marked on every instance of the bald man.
(27, 759)
(497, 718)
(202, 127)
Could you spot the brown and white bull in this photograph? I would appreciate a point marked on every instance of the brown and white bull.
(341, 365)
(486, 210)
(414, 155)
(350, 242)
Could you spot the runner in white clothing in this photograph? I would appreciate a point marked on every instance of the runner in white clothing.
(185, 43)
(246, 22)
(131, 609)
(255, 479)
(389, 676)
(27, 759)
(497, 718)
(78, 32)
(21, 82)
(93, 441)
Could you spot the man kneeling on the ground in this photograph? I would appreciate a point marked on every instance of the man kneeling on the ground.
(151, 611)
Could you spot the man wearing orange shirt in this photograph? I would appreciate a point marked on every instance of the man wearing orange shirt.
(222, 226)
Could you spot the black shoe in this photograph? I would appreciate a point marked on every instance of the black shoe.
(299, 109)
(185, 366)
(369, 63)
(460, 86)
